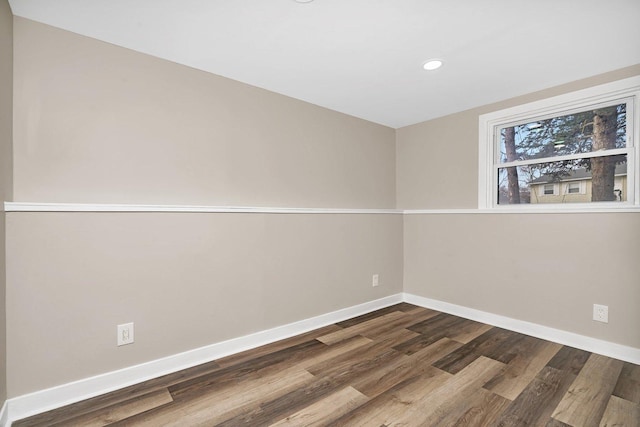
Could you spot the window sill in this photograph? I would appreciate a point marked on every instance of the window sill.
(529, 210)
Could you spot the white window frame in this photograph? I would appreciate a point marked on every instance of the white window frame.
(489, 124)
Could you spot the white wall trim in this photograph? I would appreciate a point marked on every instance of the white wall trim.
(82, 207)
(526, 210)
(88, 207)
(55, 397)
(606, 348)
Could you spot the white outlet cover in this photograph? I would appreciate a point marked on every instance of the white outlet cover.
(601, 313)
(125, 334)
(375, 281)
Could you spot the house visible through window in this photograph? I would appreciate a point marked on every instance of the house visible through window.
(572, 152)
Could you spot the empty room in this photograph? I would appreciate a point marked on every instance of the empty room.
(320, 213)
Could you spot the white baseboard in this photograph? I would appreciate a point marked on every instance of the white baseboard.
(4, 415)
(593, 345)
(56, 397)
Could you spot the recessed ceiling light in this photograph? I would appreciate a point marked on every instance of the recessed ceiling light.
(432, 64)
(303, 1)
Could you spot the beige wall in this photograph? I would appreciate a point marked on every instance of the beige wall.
(6, 90)
(543, 268)
(96, 123)
(547, 269)
(186, 280)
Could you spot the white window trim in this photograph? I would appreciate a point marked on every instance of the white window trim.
(609, 92)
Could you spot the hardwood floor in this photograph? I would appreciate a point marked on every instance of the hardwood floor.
(399, 366)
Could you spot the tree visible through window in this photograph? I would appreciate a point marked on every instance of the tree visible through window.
(584, 146)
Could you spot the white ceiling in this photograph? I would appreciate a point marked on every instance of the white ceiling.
(364, 57)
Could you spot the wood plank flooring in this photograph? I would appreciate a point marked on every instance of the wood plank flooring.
(399, 366)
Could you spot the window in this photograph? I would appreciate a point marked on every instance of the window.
(573, 188)
(578, 149)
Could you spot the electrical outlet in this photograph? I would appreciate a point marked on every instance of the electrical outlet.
(125, 334)
(601, 313)
(375, 280)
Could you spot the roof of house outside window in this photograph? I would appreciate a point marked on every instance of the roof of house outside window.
(576, 175)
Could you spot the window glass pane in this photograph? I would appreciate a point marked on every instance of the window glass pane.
(583, 132)
(599, 179)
